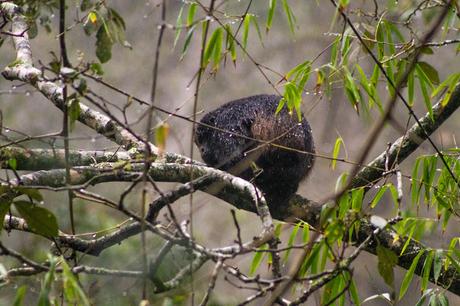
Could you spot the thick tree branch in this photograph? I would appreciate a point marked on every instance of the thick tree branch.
(46, 159)
(405, 145)
(221, 184)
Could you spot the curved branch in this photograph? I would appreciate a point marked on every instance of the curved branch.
(231, 189)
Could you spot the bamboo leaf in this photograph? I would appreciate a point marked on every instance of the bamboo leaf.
(178, 26)
(257, 259)
(430, 72)
(188, 39)
(437, 265)
(426, 270)
(409, 275)
(423, 81)
(291, 240)
(271, 12)
(410, 88)
(336, 151)
(231, 43)
(378, 196)
(191, 14)
(290, 16)
(246, 23)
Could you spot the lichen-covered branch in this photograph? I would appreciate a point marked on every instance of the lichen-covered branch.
(405, 145)
(221, 184)
(46, 159)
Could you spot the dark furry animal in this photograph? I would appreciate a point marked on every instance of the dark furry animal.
(276, 171)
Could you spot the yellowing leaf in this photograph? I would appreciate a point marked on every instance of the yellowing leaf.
(161, 135)
(92, 17)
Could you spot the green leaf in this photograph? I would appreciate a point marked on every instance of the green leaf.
(408, 232)
(178, 26)
(230, 43)
(246, 23)
(12, 163)
(280, 105)
(409, 275)
(453, 261)
(365, 84)
(336, 151)
(387, 261)
(188, 39)
(341, 180)
(96, 68)
(430, 72)
(378, 195)
(426, 50)
(415, 186)
(161, 136)
(20, 294)
(72, 290)
(390, 43)
(422, 299)
(39, 219)
(293, 99)
(394, 195)
(442, 299)
(311, 260)
(453, 78)
(31, 192)
(117, 19)
(351, 90)
(410, 88)
(334, 52)
(44, 299)
(256, 25)
(278, 228)
(74, 112)
(426, 270)
(379, 35)
(258, 256)
(353, 290)
(375, 75)
(345, 47)
(291, 240)
(290, 16)
(428, 174)
(423, 81)
(357, 196)
(306, 232)
(217, 52)
(103, 45)
(271, 12)
(453, 82)
(191, 14)
(299, 70)
(437, 265)
(214, 48)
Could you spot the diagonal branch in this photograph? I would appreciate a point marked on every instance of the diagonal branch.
(404, 146)
(22, 69)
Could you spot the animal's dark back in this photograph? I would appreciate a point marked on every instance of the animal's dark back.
(249, 133)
